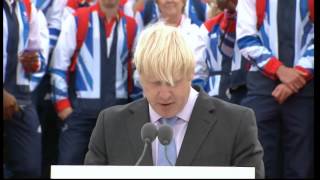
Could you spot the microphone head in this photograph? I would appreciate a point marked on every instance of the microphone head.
(148, 132)
(165, 134)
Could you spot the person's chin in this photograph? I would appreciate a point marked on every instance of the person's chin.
(109, 6)
(167, 110)
(170, 12)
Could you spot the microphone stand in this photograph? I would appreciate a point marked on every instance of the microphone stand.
(143, 153)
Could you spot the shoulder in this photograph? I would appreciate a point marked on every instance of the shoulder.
(121, 112)
(73, 4)
(222, 105)
(232, 117)
(186, 25)
(228, 112)
(84, 11)
(192, 33)
(129, 19)
(209, 24)
(232, 108)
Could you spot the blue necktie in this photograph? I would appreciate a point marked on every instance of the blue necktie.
(171, 148)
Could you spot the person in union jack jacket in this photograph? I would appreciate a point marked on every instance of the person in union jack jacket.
(277, 38)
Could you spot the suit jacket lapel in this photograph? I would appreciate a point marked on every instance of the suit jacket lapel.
(139, 116)
(201, 122)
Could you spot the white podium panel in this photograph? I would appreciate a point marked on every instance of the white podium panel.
(150, 172)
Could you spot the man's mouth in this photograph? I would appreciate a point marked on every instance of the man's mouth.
(165, 104)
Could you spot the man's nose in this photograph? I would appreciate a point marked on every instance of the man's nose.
(165, 92)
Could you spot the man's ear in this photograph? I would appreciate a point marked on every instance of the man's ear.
(191, 76)
(141, 79)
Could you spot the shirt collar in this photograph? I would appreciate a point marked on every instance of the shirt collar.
(184, 114)
(182, 18)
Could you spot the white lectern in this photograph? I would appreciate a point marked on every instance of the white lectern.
(150, 172)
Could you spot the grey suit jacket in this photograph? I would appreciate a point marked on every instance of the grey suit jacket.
(218, 134)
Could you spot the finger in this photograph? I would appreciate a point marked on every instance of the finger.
(292, 88)
(299, 84)
(277, 96)
(35, 55)
(284, 98)
(281, 97)
(61, 117)
(29, 59)
(287, 93)
(278, 99)
(288, 90)
(35, 62)
(302, 73)
(33, 58)
(302, 80)
(275, 92)
(296, 86)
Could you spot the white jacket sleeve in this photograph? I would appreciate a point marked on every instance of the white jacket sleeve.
(196, 41)
(60, 62)
(249, 42)
(34, 40)
(53, 15)
(306, 61)
(38, 40)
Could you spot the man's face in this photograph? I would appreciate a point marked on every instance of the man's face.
(170, 8)
(166, 100)
(227, 4)
(109, 3)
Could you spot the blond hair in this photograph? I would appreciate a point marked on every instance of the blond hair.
(162, 53)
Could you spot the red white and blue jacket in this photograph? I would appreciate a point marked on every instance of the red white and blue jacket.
(225, 64)
(260, 45)
(88, 81)
(52, 10)
(33, 35)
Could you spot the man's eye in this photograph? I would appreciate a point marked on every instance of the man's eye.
(177, 82)
(156, 83)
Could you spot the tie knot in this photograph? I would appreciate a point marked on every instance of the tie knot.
(169, 121)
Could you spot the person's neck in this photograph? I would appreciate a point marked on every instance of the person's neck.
(173, 20)
(109, 13)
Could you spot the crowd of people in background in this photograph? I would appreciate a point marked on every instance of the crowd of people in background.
(66, 60)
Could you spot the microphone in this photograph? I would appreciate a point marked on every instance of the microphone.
(148, 134)
(165, 134)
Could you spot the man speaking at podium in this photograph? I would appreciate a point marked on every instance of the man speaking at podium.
(206, 131)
